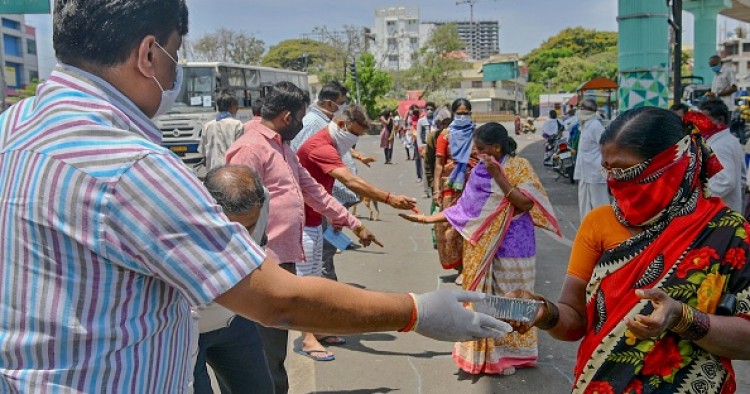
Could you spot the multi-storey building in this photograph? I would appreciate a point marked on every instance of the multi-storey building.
(19, 52)
(482, 38)
(397, 35)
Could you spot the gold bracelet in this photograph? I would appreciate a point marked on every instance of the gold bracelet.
(510, 191)
(686, 319)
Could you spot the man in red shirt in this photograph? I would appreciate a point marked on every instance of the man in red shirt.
(321, 155)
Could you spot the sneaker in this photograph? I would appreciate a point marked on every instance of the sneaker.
(419, 180)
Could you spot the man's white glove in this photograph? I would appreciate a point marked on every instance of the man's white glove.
(441, 316)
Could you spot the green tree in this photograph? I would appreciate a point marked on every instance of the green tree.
(302, 55)
(571, 42)
(227, 45)
(533, 91)
(437, 65)
(373, 84)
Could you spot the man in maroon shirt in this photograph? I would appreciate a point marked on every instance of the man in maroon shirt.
(321, 155)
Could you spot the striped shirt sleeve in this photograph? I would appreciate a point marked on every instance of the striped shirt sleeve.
(161, 221)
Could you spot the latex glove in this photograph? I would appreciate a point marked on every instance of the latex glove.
(441, 316)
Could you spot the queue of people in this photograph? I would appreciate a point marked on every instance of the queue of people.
(123, 272)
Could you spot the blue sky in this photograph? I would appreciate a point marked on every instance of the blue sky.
(524, 24)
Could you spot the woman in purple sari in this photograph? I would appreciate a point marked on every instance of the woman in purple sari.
(501, 204)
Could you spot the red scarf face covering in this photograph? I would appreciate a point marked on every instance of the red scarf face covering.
(666, 196)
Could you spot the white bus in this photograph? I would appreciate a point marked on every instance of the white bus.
(181, 126)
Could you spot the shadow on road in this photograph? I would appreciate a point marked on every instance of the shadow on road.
(355, 343)
(359, 391)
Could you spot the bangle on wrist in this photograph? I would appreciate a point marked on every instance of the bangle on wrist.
(359, 229)
(552, 317)
(388, 198)
(510, 191)
(413, 320)
(693, 324)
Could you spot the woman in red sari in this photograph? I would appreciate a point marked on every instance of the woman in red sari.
(658, 285)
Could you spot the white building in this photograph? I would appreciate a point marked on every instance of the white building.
(19, 52)
(398, 35)
(737, 50)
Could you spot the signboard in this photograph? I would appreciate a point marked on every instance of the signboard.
(499, 71)
(24, 7)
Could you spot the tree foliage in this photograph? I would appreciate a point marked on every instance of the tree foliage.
(226, 45)
(300, 54)
(573, 56)
(437, 65)
(373, 84)
(571, 42)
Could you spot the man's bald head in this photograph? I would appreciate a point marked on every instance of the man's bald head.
(237, 189)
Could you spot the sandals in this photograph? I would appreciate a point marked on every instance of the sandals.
(316, 355)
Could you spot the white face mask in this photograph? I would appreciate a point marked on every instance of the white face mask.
(168, 97)
(344, 139)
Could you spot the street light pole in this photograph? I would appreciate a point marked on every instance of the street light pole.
(515, 85)
(677, 26)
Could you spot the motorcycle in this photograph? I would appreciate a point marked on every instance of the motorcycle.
(563, 161)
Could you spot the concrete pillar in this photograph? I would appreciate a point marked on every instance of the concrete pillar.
(643, 58)
(705, 13)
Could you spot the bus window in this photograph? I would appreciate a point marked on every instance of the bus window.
(252, 78)
(235, 77)
(197, 90)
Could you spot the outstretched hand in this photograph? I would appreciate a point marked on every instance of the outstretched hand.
(366, 238)
(412, 217)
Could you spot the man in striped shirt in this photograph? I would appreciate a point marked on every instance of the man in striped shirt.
(107, 240)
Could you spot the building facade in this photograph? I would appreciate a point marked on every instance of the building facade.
(398, 35)
(19, 52)
(737, 51)
(482, 38)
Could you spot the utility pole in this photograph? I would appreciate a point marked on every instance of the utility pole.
(676, 23)
(515, 85)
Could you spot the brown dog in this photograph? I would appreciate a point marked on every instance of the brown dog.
(371, 205)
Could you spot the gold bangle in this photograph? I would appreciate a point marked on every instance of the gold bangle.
(359, 229)
(510, 191)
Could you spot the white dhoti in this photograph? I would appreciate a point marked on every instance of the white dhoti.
(590, 196)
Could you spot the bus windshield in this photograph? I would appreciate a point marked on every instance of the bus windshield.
(197, 91)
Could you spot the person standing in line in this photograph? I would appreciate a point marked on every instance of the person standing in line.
(424, 126)
(332, 100)
(592, 187)
(229, 343)
(256, 108)
(131, 236)
(495, 216)
(724, 85)
(321, 155)
(387, 135)
(219, 134)
(728, 184)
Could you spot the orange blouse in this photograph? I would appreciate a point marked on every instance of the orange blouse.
(599, 232)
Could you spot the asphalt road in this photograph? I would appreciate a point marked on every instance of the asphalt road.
(409, 363)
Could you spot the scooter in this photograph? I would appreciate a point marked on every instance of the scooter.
(563, 161)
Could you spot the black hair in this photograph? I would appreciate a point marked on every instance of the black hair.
(459, 102)
(284, 96)
(494, 133)
(332, 91)
(105, 32)
(716, 109)
(645, 131)
(236, 188)
(386, 112)
(258, 107)
(225, 100)
(679, 107)
(430, 104)
(553, 114)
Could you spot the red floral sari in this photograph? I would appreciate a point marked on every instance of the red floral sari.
(696, 250)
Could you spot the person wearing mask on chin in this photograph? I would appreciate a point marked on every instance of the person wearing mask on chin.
(110, 240)
(592, 186)
(723, 85)
(321, 156)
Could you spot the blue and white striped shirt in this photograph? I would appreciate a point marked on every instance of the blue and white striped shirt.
(106, 241)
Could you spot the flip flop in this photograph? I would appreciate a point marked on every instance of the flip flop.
(331, 340)
(311, 354)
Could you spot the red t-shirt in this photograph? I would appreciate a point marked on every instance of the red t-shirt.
(318, 155)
